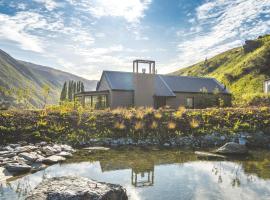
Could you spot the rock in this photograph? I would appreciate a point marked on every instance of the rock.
(7, 154)
(14, 145)
(97, 148)
(67, 148)
(222, 137)
(65, 154)
(232, 148)
(201, 154)
(57, 148)
(27, 148)
(43, 144)
(18, 159)
(4, 174)
(8, 148)
(48, 150)
(53, 159)
(17, 167)
(76, 188)
(32, 156)
(166, 144)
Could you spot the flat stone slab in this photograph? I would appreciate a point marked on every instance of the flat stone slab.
(17, 167)
(97, 148)
(202, 154)
(232, 148)
(4, 174)
(76, 188)
(53, 159)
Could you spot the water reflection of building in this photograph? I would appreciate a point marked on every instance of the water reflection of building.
(142, 178)
(142, 171)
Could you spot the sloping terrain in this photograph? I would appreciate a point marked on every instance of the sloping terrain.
(24, 82)
(243, 69)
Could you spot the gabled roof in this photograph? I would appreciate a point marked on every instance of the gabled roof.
(165, 85)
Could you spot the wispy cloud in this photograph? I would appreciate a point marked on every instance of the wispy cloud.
(14, 28)
(220, 25)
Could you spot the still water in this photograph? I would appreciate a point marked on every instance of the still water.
(160, 174)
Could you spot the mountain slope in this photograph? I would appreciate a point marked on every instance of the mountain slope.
(18, 78)
(243, 69)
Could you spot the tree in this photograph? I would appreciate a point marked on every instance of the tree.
(63, 95)
(69, 90)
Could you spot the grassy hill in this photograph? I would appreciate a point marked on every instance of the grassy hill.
(241, 69)
(23, 81)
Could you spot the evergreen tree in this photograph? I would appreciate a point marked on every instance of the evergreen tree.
(82, 87)
(70, 90)
(63, 95)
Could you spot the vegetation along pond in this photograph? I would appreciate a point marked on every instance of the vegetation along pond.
(160, 174)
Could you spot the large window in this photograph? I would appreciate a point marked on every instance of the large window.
(96, 101)
(190, 102)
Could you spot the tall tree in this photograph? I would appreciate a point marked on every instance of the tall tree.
(63, 95)
(70, 89)
(82, 87)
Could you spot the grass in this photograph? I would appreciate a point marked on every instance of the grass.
(64, 124)
(243, 73)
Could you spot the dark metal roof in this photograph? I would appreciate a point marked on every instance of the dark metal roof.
(193, 84)
(165, 85)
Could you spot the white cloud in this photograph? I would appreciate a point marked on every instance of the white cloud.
(222, 25)
(131, 10)
(15, 29)
(49, 4)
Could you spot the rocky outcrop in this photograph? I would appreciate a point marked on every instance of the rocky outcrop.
(232, 148)
(76, 188)
(22, 158)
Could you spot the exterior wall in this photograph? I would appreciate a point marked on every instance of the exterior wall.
(144, 89)
(200, 100)
(103, 85)
(121, 98)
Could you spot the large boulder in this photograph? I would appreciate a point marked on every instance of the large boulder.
(17, 168)
(76, 188)
(232, 148)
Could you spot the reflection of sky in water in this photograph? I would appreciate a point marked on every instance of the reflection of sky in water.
(191, 180)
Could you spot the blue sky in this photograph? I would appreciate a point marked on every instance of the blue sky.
(85, 37)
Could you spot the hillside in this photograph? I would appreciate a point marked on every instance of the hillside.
(20, 79)
(241, 69)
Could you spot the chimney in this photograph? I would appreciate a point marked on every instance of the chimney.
(144, 84)
(152, 66)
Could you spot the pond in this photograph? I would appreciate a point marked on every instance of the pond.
(160, 174)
